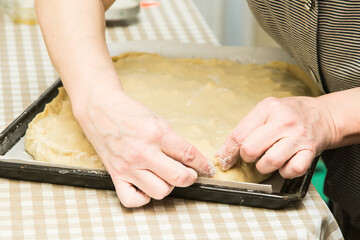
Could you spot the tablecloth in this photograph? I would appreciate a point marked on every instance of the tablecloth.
(44, 211)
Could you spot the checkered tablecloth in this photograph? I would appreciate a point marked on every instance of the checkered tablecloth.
(45, 211)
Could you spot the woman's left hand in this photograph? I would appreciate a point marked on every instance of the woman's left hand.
(285, 134)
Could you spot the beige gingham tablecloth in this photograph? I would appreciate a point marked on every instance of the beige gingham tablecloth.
(44, 211)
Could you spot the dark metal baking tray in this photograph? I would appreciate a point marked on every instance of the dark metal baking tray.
(291, 190)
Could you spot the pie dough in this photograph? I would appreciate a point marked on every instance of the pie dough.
(54, 135)
(203, 100)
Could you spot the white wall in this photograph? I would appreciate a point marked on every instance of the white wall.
(232, 23)
(213, 12)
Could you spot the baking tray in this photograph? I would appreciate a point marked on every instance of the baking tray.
(255, 195)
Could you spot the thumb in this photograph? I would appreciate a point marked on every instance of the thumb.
(179, 149)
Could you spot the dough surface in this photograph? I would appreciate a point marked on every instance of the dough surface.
(203, 100)
(54, 135)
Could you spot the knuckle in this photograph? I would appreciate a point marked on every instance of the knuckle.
(182, 179)
(140, 152)
(155, 129)
(271, 102)
(236, 136)
(259, 166)
(162, 192)
(179, 179)
(134, 154)
(248, 152)
(298, 170)
(302, 131)
(290, 121)
(285, 174)
(189, 155)
(166, 127)
(274, 161)
(114, 169)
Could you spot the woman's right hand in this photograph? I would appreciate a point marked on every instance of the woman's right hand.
(144, 156)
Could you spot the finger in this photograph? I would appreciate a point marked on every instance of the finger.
(128, 195)
(179, 149)
(259, 141)
(151, 184)
(298, 164)
(277, 156)
(171, 171)
(230, 151)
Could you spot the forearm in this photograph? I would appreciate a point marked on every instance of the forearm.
(74, 33)
(344, 108)
(143, 155)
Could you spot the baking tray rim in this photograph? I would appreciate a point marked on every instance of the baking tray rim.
(283, 196)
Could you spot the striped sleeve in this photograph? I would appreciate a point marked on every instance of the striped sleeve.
(324, 38)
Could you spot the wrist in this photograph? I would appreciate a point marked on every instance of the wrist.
(330, 124)
(344, 116)
(84, 91)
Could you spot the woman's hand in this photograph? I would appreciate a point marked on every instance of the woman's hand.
(142, 153)
(138, 148)
(285, 134)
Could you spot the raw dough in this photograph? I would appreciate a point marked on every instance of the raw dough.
(202, 99)
(54, 135)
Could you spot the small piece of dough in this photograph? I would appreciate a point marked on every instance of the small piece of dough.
(203, 100)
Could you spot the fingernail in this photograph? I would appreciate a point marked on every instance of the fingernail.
(224, 163)
(210, 171)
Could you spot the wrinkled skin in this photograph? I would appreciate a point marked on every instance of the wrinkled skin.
(285, 134)
(142, 153)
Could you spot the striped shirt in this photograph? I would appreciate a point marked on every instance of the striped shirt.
(324, 38)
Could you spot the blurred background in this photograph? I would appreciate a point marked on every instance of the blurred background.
(233, 23)
(20, 11)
